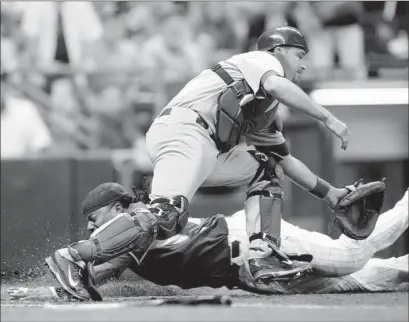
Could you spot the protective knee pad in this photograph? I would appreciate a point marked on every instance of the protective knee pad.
(264, 208)
(172, 215)
(127, 232)
(269, 169)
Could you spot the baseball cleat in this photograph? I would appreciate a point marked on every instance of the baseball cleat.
(272, 268)
(280, 266)
(68, 273)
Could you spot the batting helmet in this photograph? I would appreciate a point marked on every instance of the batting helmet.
(282, 36)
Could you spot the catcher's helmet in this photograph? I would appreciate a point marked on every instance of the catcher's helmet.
(282, 36)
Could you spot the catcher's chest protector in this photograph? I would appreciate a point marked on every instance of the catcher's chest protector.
(239, 112)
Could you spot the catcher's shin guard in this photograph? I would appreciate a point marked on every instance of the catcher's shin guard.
(171, 213)
(264, 209)
(134, 232)
(264, 204)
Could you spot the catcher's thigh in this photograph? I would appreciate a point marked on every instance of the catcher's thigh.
(233, 169)
(183, 156)
(122, 234)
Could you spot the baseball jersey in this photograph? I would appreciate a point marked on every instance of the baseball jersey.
(202, 92)
(200, 259)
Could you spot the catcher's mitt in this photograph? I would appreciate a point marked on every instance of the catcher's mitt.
(357, 213)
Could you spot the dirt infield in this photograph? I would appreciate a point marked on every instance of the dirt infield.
(363, 307)
(130, 301)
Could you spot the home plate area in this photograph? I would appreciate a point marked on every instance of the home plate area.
(207, 304)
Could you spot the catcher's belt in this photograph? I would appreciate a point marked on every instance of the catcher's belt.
(199, 119)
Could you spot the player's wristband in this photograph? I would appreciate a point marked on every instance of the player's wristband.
(321, 188)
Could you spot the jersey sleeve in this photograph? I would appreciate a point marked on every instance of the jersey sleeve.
(253, 65)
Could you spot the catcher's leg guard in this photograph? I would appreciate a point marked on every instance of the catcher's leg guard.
(265, 200)
(264, 208)
(127, 232)
(171, 213)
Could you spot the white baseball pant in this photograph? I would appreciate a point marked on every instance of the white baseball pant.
(185, 157)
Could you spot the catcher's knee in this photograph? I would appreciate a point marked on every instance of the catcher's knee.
(269, 169)
(126, 232)
(268, 184)
(171, 213)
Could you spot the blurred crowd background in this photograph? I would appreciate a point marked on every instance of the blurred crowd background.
(92, 75)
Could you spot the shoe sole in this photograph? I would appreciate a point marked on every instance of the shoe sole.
(52, 265)
(273, 275)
